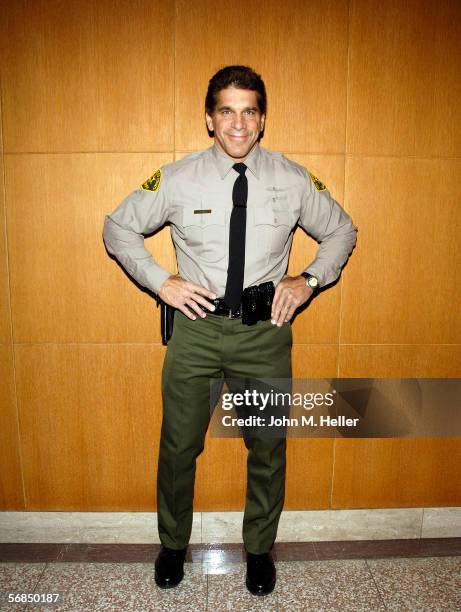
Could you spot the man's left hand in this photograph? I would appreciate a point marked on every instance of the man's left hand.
(290, 293)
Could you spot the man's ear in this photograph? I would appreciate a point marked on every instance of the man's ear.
(263, 122)
(209, 122)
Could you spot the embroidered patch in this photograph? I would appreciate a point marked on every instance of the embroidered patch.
(153, 183)
(317, 183)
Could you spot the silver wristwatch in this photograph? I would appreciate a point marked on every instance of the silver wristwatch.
(311, 281)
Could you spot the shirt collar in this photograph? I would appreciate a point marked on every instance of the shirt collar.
(224, 163)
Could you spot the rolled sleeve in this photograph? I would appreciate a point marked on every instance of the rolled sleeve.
(326, 221)
(141, 212)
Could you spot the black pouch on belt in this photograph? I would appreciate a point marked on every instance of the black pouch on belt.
(257, 303)
(266, 293)
(250, 306)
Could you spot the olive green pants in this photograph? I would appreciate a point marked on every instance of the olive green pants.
(217, 347)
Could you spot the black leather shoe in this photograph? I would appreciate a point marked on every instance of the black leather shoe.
(260, 579)
(169, 567)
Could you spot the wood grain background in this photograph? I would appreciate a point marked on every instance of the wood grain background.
(94, 97)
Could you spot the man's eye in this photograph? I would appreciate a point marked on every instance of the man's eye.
(250, 112)
(226, 112)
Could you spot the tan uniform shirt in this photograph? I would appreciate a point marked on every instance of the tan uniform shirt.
(194, 195)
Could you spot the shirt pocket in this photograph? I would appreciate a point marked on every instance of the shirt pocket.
(205, 233)
(273, 227)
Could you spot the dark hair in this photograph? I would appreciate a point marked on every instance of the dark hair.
(241, 77)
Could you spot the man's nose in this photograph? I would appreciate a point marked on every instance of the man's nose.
(238, 122)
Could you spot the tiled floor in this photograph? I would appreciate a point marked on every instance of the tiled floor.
(380, 575)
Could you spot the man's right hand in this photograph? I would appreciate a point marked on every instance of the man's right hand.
(182, 294)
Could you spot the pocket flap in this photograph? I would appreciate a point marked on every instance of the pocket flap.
(269, 216)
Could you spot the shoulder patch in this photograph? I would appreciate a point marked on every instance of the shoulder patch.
(153, 183)
(317, 183)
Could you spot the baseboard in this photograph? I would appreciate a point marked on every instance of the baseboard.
(226, 527)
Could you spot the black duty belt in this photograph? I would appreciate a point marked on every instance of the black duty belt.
(223, 310)
(256, 304)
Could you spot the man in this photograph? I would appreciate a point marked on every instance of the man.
(232, 210)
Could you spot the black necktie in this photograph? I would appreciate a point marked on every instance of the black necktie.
(237, 231)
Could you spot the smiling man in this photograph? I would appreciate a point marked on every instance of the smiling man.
(232, 209)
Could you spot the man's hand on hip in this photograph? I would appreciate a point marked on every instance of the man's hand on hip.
(290, 293)
(185, 296)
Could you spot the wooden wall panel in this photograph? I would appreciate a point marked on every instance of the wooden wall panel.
(88, 76)
(398, 472)
(64, 285)
(404, 80)
(300, 49)
(5, 310)
(315, 360)
(90, 417)
(11, 488)
(99, 409)
(380, 473)
(400, 360)
(402, 284)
